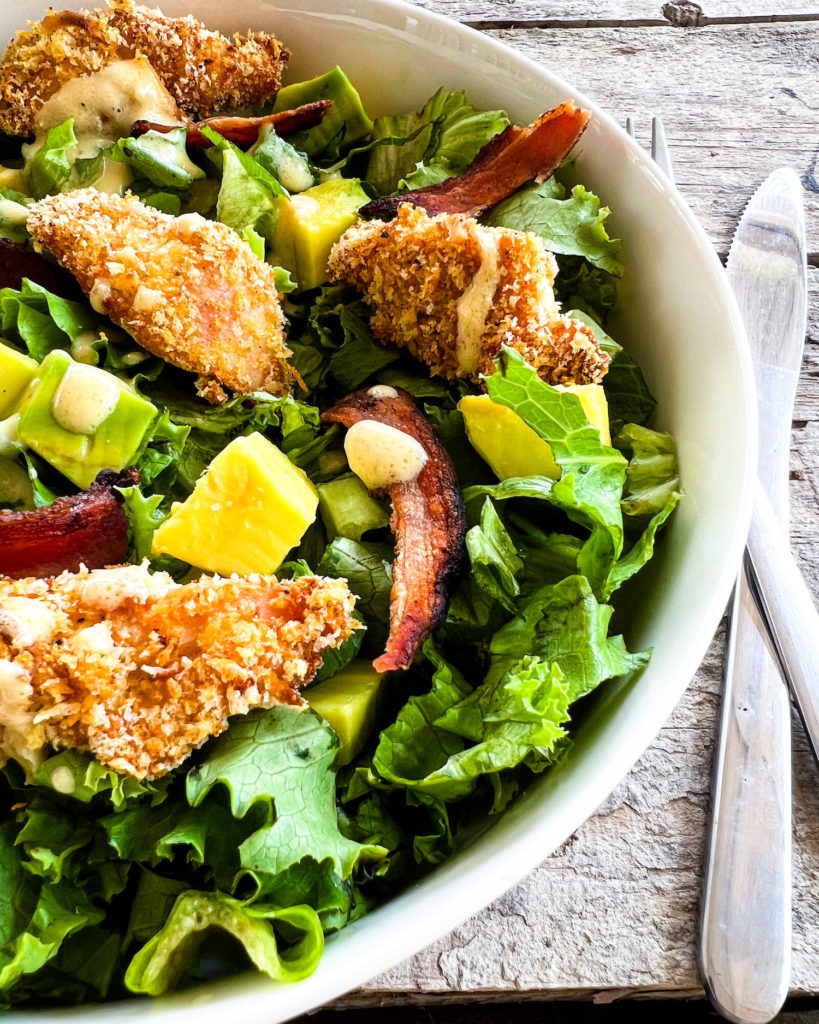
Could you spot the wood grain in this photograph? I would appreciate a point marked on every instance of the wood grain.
(597, 13)
(614, 911)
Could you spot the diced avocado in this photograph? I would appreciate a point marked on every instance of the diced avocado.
(82, 419)
(346, 118)
(15, 487)
(349, 704)
(347, 509)
(309, 225)
(276, 155)
(247, 510)
(16, 373)
(510, 446)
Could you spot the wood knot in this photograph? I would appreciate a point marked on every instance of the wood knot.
(683, 13)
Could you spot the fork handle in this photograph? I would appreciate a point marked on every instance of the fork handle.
(745, 945)
(789, 610)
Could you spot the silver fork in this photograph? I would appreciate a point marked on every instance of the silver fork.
(659, 145)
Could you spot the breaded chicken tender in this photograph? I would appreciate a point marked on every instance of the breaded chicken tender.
(453, 291)
(204, 72)
(186, 289)
(140, 670)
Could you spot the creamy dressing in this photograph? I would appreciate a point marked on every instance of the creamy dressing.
(62, 779)
(170, 147)
(82, 347)
(115, 177)
(105, 104)
(25, 621)
(22, 737)
(85, 398)
(382, 391)
(107, 589)
(381, 455)
(475, 304)
(99, 294)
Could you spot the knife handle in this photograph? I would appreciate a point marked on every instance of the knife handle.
(745, 946)
(789, 610)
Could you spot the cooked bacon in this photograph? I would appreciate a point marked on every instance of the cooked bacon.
(512, 158)
(243, 131)
(88, 529)
(428, 520)
(19, 261)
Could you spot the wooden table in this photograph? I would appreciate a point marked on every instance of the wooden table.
(614, 911)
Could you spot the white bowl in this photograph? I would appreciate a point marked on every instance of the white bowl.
(678, 319)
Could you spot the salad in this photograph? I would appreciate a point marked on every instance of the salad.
(319, 476)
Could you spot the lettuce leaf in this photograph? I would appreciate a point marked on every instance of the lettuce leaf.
(245, 201)
(455, 133)
(493, 557)
(517, 721)
(160, 157)
(79, 776)
(572, 227)
(283, 759)
(652, 475)
(159, 964)
(49, 169)
(367, 567)
(41, 321)
(593, 474)
(627, 393)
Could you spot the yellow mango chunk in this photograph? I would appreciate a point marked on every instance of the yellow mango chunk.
(510, 446)
(247, 510)
(348, 703)
(310, 223)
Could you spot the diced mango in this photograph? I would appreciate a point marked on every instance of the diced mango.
(310, 223)
(16, 373)
(349, 704)
(247, 510)
(510, 446)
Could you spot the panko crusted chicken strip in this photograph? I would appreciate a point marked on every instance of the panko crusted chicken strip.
(140, 670)
(453, 292)
(204, 72)
(428, 520)
(186, 289)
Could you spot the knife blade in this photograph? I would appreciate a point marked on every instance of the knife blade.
(745, 943)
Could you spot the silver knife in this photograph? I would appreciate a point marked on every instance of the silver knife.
(745, 945)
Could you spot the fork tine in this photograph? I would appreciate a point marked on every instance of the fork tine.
(659, 148)
(630, 126)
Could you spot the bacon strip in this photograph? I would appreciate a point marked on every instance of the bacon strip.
(243, 131)
(88, 529)
(428, 520)
(19, 261)
(512, 158)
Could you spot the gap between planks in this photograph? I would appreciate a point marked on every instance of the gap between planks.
(702, 21)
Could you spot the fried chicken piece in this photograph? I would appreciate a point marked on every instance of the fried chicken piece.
(453, 291)
(205, 72)
(140, 670)
(186, 289)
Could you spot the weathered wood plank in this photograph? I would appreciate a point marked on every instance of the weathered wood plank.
(620, 12)
(736, 103)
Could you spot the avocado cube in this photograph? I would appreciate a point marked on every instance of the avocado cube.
(349, 704)
(82, 419)
(347, 509)
(309, 225)
(347, 112)
(510, 446)
(247, 510)
(16, 373)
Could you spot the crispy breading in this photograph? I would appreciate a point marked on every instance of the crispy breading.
(187, 289)
(204, 72)
(140, 670)
(415, 269)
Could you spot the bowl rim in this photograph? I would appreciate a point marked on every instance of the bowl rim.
(260, 1000)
